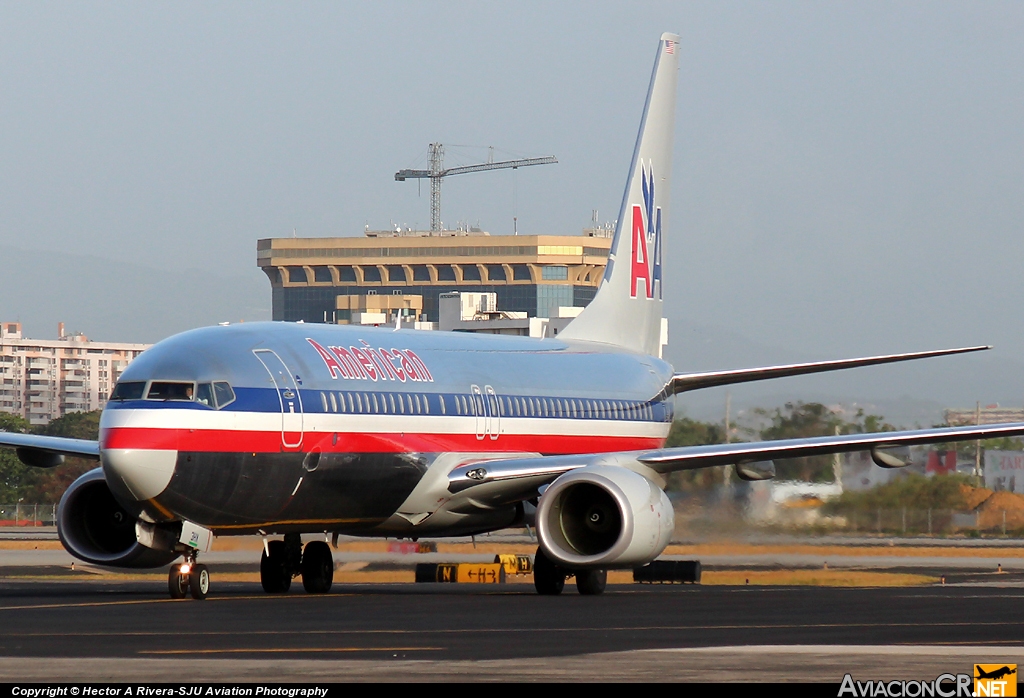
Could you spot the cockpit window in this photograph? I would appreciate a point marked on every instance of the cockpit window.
(204, 395)
(130, 390)
(161, 390)
(225, 395)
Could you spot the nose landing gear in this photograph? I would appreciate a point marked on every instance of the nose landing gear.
(284, 559)
(190, 578)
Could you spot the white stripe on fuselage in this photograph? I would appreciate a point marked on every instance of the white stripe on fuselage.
(379, 423)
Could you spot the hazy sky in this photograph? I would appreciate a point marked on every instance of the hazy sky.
(848, 176)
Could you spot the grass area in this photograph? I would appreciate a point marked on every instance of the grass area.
(815, 578)
(842, 550)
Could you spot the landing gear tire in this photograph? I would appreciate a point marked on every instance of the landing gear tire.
(548, 578)
(591, 582)
(275, 576)
(199, 582)
(317, 567)
(177, 583)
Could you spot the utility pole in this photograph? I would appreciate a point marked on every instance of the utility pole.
(977, 446)
(728, 469)
(837, 465)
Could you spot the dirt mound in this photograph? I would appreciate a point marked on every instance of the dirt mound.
(974, 496)
(991, 511)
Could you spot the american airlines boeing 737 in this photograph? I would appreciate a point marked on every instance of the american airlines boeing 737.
(283, 429)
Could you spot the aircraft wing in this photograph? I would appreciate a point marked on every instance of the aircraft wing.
(682, 382)
(510, 480)
(48, 451)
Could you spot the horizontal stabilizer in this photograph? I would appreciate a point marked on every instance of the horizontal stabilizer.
(683, 382)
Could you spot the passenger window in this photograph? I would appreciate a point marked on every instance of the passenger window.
(376, 410)
(444, 410)
(417, 398)
(323, 399)
(170, 391)
(359, 403)
(351, 407)
(426, 405)
(409, 399)
(132, 390)
(334, 404)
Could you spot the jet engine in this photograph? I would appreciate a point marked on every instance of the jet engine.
(604, 516)
(94, 527)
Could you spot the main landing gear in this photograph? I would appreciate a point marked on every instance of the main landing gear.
(189, 578)
(549, 578)
(284, 559)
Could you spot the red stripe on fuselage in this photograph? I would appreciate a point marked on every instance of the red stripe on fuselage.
(229, 441)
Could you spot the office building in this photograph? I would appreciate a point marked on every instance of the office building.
(314, 279)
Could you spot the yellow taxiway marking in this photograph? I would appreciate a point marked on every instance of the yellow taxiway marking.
(296, 650)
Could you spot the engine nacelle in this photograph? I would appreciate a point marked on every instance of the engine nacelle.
(94, 527)
(602, 517)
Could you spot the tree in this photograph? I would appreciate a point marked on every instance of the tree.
(689, 432)
(914, 491)
(13, 473)
(801, 420)
(47, 485)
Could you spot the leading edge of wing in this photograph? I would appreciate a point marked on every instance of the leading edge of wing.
(82, 448)
(505, 480)
(682, 382)
(667, 460)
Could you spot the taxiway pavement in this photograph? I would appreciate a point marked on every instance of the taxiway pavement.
(97, 629)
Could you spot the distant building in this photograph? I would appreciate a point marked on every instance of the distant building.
(42, 379)
(990, 414)
(478, 312)
(531, 274)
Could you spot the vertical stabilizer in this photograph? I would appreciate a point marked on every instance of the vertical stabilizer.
(627, 308)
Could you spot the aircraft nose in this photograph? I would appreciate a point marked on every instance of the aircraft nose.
(145, 473)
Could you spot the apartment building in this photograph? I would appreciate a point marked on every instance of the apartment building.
(43, 379)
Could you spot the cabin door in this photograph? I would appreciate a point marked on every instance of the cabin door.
(287, 394)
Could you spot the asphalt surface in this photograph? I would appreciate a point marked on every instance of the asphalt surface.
(126, 630)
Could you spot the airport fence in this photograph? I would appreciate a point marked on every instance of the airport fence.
(939, 522)
(21, 514)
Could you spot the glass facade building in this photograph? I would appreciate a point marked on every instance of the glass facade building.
(532, 274)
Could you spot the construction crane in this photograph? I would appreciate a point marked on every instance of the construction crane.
(437, 172)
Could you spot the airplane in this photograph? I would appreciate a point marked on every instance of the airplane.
(995, 674)
(288, 429)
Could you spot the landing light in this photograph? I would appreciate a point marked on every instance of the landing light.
(185, 568)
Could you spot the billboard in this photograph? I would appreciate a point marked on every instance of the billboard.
(1004, 470)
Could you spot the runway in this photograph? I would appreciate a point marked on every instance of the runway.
(128, 630)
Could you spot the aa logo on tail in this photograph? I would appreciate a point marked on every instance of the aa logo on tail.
(645, 251)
